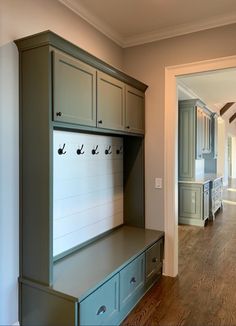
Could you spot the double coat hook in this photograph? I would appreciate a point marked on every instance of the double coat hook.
(61, 150)
(108, 151)
(79, 150)
(94, 150)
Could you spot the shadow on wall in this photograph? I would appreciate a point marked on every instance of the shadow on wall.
(9, 184)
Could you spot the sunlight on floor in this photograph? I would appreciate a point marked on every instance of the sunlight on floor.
(231, 189)
(229, 202)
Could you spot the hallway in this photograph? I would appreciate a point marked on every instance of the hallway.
(204, 293)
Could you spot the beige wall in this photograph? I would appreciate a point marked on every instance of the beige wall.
(147, 63)
(19, 18)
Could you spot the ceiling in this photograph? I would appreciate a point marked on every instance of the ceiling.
(133, 22)
(215, 88)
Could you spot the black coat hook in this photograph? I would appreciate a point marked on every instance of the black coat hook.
(119, 150)
(108, 151)
(61, 150)
(94, 150)
(79, 150)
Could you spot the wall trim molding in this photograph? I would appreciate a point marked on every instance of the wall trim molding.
(171, 152)
(156, 35)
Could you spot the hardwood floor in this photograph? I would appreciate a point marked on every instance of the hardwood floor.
(204, 293)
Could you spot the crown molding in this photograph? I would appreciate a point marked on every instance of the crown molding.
(165, 33)
(105, 29)
(179, 30)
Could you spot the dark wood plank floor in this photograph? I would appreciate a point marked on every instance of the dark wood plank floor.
(204, 293)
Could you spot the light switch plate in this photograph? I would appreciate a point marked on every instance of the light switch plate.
(158, 183)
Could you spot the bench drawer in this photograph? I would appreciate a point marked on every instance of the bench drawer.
(154, 261)
(131, 280)
(102, 306)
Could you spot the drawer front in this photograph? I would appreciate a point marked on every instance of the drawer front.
(102, 306)
(154, 261)
(131, 280)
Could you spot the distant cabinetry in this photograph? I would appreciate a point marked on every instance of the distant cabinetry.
(216, 195)
(195, 138)
(194, 203)
(192, 139)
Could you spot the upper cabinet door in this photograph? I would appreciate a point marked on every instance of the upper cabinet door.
(199, 133)
(134, 114)
(74, 90)
(110, 102)
(206, 134)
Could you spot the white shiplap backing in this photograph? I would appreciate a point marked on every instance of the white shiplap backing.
(87, 189)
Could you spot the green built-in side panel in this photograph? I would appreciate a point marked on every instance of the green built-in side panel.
(190, 201)
(110, 102)
(41, 308)
(186, 143)
(74, 89)
(134, 110)
(36, 165)
(134, 181)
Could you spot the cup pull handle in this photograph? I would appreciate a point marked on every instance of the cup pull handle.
(133, 280)
(101, 310)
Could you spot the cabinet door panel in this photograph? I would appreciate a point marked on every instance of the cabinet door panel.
(110, 102)
(190, 203)
(74, 91)
(199, 133)
(134, 110)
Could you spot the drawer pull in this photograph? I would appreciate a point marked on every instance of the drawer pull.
(101, 310)
(154, 260)
(133, 280)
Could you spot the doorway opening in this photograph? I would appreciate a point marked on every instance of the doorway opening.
(171, 151)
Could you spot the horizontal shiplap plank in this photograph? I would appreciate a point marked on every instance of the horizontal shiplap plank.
(87, 188)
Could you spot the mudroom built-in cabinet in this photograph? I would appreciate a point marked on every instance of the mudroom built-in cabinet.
(85, 255)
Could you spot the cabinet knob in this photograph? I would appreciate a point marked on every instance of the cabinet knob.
(99, 121)
(128, 127)
(133, 280)
(58, 114)
(154, 260)
(101, 310)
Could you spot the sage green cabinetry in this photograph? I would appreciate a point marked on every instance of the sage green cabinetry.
(190, 138)
(52, 71)
(207, 136)
(132, 279)
(74, 90)
(193, 203)
(110, 102)
(214, 132)
(134, 110)
(86, 96)
(154, 258)
(102, 306)
(216, 195)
